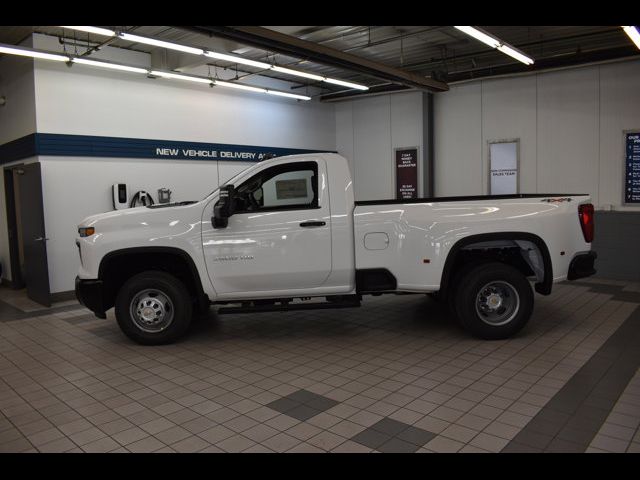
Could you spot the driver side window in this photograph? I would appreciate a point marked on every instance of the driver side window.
(282, 187)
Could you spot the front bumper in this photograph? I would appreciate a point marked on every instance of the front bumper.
(582, 266)
(90, 294)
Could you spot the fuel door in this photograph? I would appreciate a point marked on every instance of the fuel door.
(376, 241)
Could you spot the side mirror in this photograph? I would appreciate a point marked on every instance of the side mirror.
(224, 208)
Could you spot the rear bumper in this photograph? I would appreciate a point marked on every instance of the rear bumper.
(582, 266)
(90, 294)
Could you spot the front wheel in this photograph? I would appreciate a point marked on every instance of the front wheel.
(493, 301)
(153, 308)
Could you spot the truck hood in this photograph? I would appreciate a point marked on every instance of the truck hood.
(140, 215)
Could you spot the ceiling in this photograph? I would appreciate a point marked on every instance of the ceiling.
(439, 52)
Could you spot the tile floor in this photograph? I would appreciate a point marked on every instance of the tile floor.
(392, 376)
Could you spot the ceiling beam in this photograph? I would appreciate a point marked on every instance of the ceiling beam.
(270, 40)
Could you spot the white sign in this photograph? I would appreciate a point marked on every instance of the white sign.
(503, 169)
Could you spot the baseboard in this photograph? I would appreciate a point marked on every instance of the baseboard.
(63, 296)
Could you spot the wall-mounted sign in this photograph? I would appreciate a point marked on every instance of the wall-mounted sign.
(121, 147)
(632, 167)
(503, 167)
(406, 173)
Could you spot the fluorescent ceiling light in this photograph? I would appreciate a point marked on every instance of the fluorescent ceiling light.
(297, 73)
(113, 66)
(512, 52)
(346, 84)
(231, 58)
(289, 95)
(235, 59)
(241, 86)
(179, 76)
(480, 35)
(26, 52)
(97, 30)
(633, 33)
(161, 43)
(495, 43)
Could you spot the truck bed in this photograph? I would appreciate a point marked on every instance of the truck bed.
(412, 238)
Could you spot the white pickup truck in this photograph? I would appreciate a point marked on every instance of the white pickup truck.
(287, 234)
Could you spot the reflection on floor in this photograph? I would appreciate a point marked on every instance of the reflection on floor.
(393, 376)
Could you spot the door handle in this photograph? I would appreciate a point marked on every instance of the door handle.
(40, 239)
(313, 223)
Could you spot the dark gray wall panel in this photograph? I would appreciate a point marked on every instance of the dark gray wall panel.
(617, 241)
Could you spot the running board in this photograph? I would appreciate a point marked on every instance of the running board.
(287, 307)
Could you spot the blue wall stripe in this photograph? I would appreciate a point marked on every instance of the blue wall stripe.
(94, 146)
(17, 149)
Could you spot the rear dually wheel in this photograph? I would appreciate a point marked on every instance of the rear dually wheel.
(493, 300)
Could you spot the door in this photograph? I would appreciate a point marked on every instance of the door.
(279, 237)
(31, 222)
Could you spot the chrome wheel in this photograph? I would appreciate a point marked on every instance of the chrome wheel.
(151, 310)
(497, 303)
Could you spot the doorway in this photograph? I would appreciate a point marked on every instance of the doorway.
(27, 238)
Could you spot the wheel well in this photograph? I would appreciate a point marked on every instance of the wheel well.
(118, 266)
(525, 252)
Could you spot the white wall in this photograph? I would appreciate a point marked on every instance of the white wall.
(569, 123)
(92, 101)
(367, 132)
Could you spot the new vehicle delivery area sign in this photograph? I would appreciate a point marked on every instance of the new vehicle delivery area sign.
(632, 168)
(406, 173)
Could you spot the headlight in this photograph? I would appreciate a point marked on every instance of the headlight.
(86, 231)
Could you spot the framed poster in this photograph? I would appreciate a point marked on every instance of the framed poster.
(406, 173)
(631, 185)
(503, 167)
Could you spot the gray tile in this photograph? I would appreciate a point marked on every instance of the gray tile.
(416, 435)
(283, 405)
(321, 403)
(389, 426)
(302, 412)
(371, 438)
(558, 445)
(302, 396)
(395, 445)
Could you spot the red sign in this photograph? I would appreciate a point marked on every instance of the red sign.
(406, 173)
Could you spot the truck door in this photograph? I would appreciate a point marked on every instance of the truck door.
(279, 237)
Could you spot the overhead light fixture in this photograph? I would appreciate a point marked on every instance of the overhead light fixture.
(180, 76)
(296, 73)
(240, 86)
(113, 66)
(97, 30)
(28, 52)
(346, 84)
(633, 33)
(480, 35)
(289, 95)
(513, 53)
(220, 56)
(236, 59)
(493, 42)
(161, 43)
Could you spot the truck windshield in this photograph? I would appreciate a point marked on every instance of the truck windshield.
(232, 180)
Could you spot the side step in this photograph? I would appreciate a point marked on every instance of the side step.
(285, 307)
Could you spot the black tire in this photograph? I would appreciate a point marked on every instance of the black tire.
(164, 293)
(493, 300)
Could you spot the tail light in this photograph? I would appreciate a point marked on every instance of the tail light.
(585, 212)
